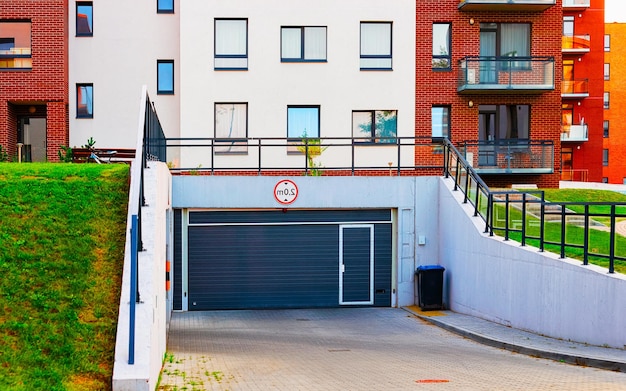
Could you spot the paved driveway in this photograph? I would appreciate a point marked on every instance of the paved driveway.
(350, 349)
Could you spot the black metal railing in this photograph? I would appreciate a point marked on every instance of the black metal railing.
(509, 73)
(510, 156)
(526, 216)
(330, 155)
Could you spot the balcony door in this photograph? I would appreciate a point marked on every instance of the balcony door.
(488, 68)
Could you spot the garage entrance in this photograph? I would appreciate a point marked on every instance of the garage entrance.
(278, 259)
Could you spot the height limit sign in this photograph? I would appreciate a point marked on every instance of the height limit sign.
(286, 191)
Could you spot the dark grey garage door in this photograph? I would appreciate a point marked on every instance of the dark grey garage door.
(272, 259)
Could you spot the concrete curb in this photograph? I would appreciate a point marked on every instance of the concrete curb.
(498, 342)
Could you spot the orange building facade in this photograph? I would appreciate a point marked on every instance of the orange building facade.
(33, 79)
(614, 146)
(582, 90)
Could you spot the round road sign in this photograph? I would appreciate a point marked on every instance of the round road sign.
(286, 191)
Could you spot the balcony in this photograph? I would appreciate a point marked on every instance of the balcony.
(576, 5)
(574, 133)
(16, 58)
(506, 74)
(575, 89)
(510, 156)
(576, 44)
(505, 5)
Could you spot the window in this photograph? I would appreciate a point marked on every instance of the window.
(605, 157)
(440, 119)
(165, 76)
(506, 40)
(503, 122)
(441, 45)
(15, 42)
(302, 44)
(607, 43)
(606, 100)
(231, 128)
(375, 126)
(607, 71)
(375, 46)
(84, 18)
(165, 6)
(231, 44)
(605, 179)
(605, 126)
(84, 100)
(568, 26)
(303, 122)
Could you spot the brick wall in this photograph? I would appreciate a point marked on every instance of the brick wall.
(44, 87)
(435, 87)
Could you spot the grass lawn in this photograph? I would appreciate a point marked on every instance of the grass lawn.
(598, 240)
(62, 233)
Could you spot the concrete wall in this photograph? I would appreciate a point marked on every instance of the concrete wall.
(522, 287)
(151, 313)
(413, 198)
(121, 56)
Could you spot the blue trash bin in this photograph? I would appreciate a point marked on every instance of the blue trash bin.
(429, 280)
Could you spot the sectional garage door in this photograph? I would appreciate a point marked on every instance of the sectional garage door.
(293, 259)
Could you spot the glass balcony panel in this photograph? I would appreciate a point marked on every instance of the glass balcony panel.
(574, 133)
(505, 5)
(511, 156)
(577, 88)
(576, 43)
(506, 74)
(576, 5)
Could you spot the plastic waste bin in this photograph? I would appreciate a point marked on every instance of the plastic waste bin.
(429, 280)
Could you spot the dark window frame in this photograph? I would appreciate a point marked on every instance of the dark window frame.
(231, 56)
(607, 71)
(607, 42)
(373, 139)
(302, 44)
(319, 124)
(605, 157)
(84, 4)
(165, 92)
(379, 56)
(449, 112)
(605, 128)
(79, 112)
(606, 100)
(448, 57)
(240, 143)
(165, 10)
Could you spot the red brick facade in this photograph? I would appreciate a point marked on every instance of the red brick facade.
(436, 87)
(42, 90)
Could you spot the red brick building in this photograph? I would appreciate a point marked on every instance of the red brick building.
(582, 90)
(488, 76)
(614, 148)
(33, 78)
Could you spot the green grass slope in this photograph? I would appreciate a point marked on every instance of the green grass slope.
(62, 232)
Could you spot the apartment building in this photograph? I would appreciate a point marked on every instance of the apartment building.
(614, 141)
(582, 90)
(112, 54)
(488, 78)
(33, 79)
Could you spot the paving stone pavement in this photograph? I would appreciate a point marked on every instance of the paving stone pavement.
(352, 349)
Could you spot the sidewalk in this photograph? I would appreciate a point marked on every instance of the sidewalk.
(500, 336)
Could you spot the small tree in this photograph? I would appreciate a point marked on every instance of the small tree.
(312, 148)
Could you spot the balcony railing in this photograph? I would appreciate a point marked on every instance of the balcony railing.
(576, 43)
(576, 5)
(574, 133)
(505, 5)
(509, 74)
(511, 156)
(16, 58)
(575, 88)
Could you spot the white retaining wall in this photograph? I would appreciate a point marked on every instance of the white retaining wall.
(151, 313)
(523, 288)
